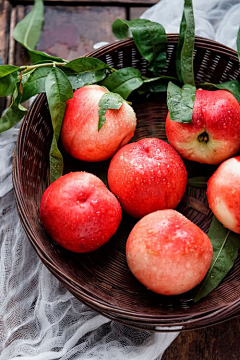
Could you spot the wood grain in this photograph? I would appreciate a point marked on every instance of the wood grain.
(5, 15)
(70, 32)
(136, 12)
(93, 3)
(220, 342)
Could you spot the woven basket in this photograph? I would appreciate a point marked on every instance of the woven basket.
(101, 279)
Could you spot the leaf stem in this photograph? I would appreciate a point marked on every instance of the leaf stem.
(30, 67)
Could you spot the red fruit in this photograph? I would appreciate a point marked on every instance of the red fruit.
(146, 176)
(79, 212)
(80, 135)
(214, 133)
(223, 193)
(168, 253)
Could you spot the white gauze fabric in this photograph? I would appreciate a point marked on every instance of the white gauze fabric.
(214, 19)
(39, 318)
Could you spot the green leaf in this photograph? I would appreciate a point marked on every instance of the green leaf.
(86, 64)
(238, 44)
(120, 28)
(123, 81)
(58, 91)
(108, 101)
(27, 32)
(233, 86)
(8, 84)
(180, 102)
(35, 82)
(40, 57)
(198, 182)
(56, 161)
(150, 39)
(180, 46)
(225, 251)
(155, 85)
(7, 69)
(87, 78)
(14, 113)
(185, 47)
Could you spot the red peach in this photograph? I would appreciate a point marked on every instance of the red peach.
(146, 176)
(167, 253)
(214, 133)
(223, 193)
(80, 136)
(79, 212)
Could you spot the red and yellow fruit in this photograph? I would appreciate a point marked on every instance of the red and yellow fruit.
(223, 193)
(214, 133)
(168, 253)
(146, 176)
(80, 136)
(79, 212)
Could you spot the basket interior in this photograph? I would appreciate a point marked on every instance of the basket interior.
(104, 274)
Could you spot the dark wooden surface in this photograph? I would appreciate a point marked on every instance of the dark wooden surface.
(70, 30)
(127, 3)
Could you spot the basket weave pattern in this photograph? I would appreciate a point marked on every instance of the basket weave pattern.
(102, 279)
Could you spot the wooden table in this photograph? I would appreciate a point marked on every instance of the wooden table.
(71, 28)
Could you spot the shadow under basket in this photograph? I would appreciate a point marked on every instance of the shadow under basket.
(101, 279)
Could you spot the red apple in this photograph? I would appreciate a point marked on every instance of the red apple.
(214, 133)
(79, 212)
(167, 253)
(223, 193)
(80, 136)
(146, 176)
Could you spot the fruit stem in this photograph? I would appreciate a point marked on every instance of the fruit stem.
(203, 137)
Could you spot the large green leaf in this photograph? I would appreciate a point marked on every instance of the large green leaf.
(35, 83)
(86, 78)
(155, 85)
(124, 81)
(238, 43)
(185, 48)
(86, 64)
(41, 57)
(58, 91)
(180, 102)
(225, 251)
(14, 113)
(8, 84)
(85, 71)
(150, 39)
(7, 69)
(27, 32)
(108, 101)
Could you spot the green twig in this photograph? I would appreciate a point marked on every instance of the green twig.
(30, 67)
